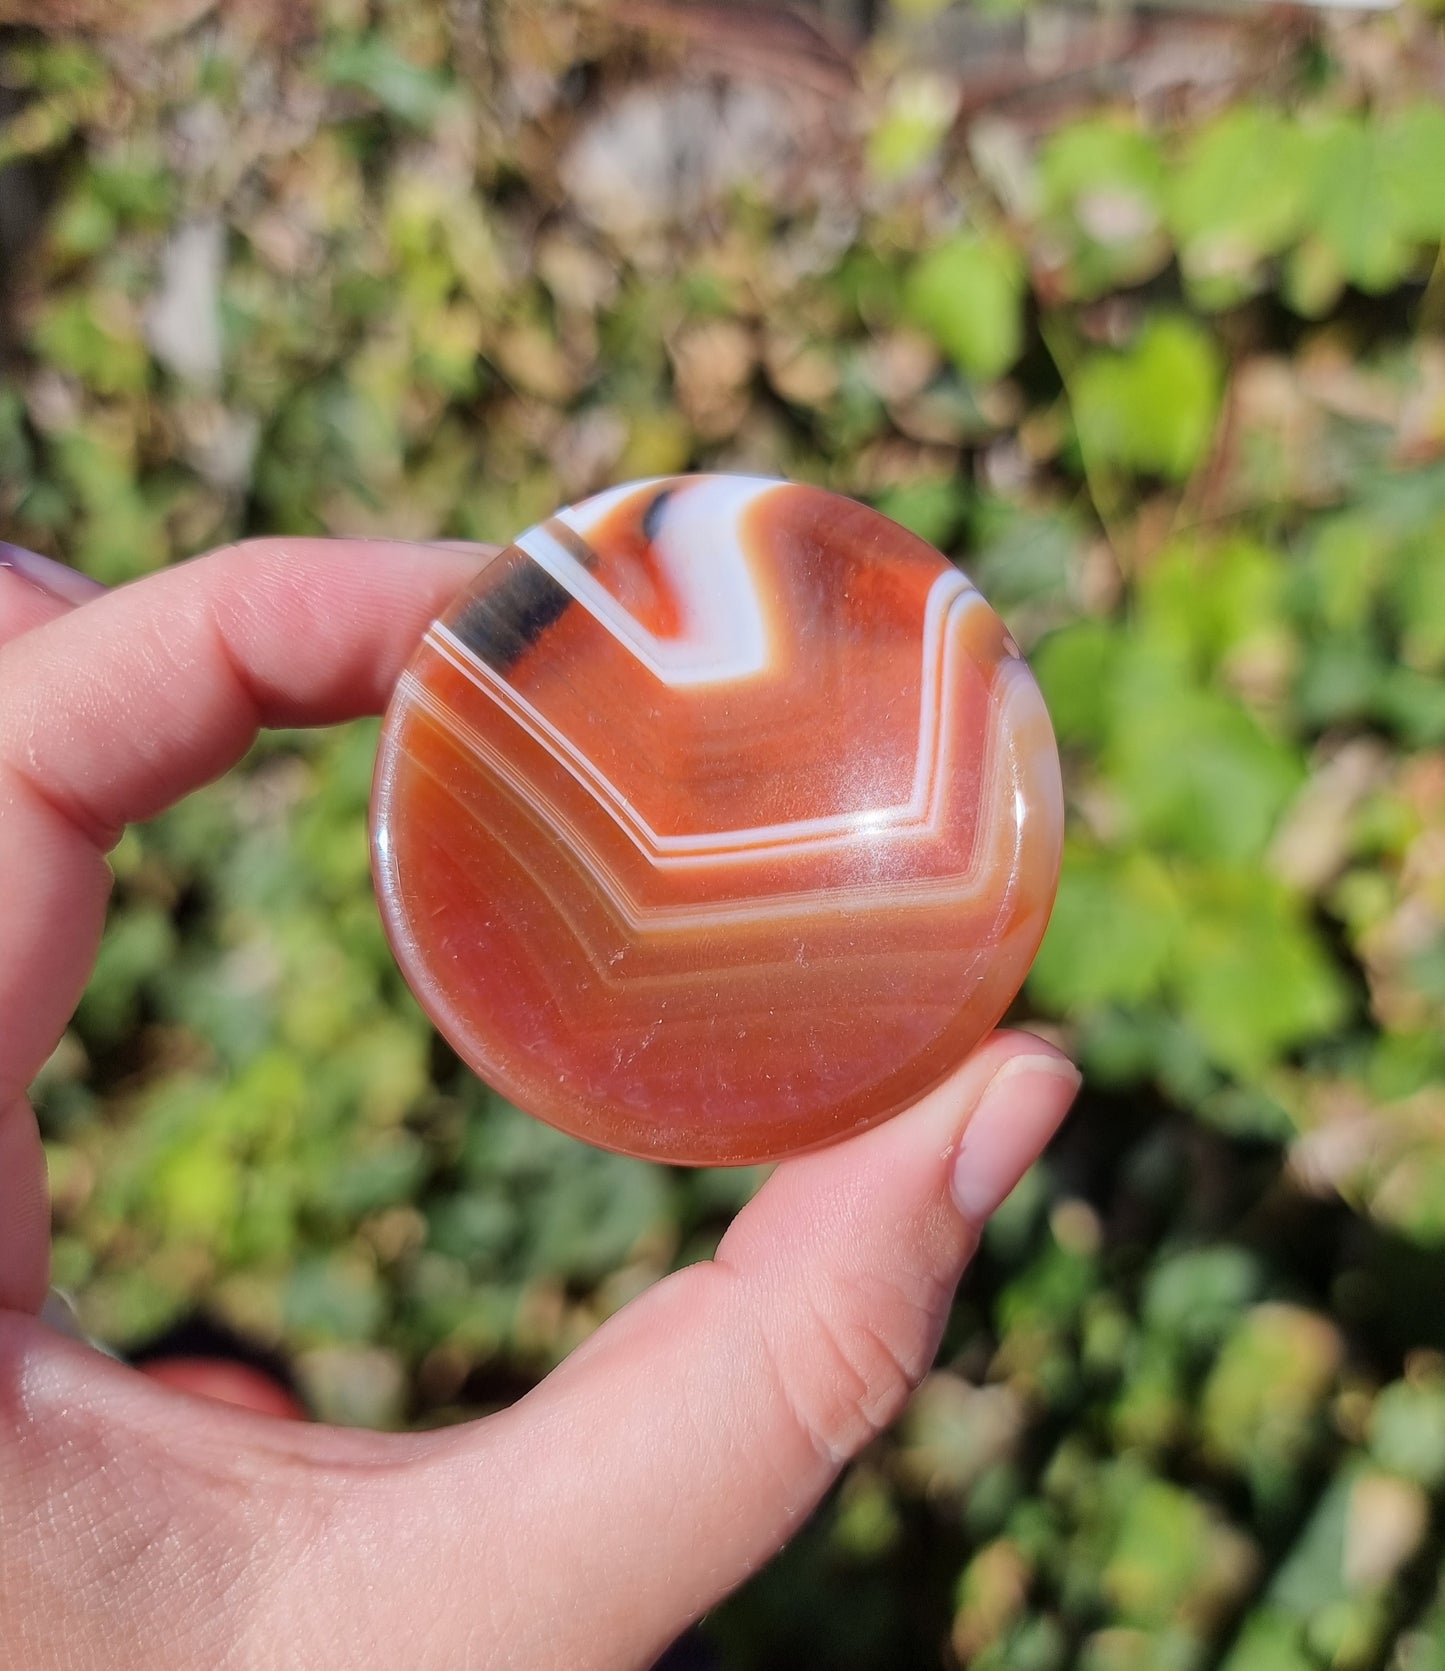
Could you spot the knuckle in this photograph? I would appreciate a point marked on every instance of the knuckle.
(854, 1365)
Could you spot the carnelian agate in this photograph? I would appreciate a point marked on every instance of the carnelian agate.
(718, 818)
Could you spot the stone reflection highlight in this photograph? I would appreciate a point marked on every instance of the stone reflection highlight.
(718, 818)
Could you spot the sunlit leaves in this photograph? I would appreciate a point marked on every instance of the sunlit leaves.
(1227, 950)
(1255, 980)
(413, 93)
(1352, 213)
(968, 294)
(1113, 935)
(96, 338)
(912, 128)
(1239, 194)
(1102, 182)
(1150, 408)
(1411, 144)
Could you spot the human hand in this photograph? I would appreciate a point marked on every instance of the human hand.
(585, 1527)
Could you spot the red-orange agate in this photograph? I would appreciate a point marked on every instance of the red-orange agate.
(718, 818)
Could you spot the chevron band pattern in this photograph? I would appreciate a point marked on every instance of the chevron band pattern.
(720, 817)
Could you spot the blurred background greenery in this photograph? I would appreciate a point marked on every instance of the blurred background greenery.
(1141, 314)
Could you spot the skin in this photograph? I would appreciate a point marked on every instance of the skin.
(589, 1524)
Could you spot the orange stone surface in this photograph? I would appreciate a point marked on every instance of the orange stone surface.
(717, 819)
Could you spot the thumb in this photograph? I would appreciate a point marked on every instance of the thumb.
(684, 1443)
(587, 1525)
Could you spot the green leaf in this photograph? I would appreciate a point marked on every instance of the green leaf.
(1195, 1297)
(1354, 209)
(95, 338)
(1412, 148)
(1407, 1430)
(138, 942)
(364, 1180)
(41, 125)
(1413, 704)
(1111, 933)
(931, 507)
(1075, 668)
(1149, 1414)
(1255, 980)
(590, 1214)
(1159, 1552)
(1313, 1575)
(1239, 194)
(1151, 408)
(1208, 602)
(1102, 184)
(968, 295)
(1340, 678)
(1313, 278)
(1037, 1643)
(136, 186)
(1270, 1641)
(1023, 555)
(1418, 596)
(196, 1193)
(334, 1297)
(1262, 1406)
(1345, 570)
(55, 63)
(1197, 772)
(370, 63)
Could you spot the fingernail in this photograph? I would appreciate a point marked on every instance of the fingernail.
(1022, 1106)
(59, 1313)
(57, 579)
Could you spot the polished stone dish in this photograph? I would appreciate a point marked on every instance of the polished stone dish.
(718, 818)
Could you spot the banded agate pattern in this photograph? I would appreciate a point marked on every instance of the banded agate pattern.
(718, 818)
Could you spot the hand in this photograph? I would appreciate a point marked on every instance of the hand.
(589, 1524)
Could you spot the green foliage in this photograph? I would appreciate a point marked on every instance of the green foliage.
(1102, 184)
(1376, 191)
(1192, 1298)
(401, 88)
(1238, 196)
(1166, 373)
(1407, 1433)
(968, 294)
(1152, 407)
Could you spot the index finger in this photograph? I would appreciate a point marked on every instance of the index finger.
(111, 713)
